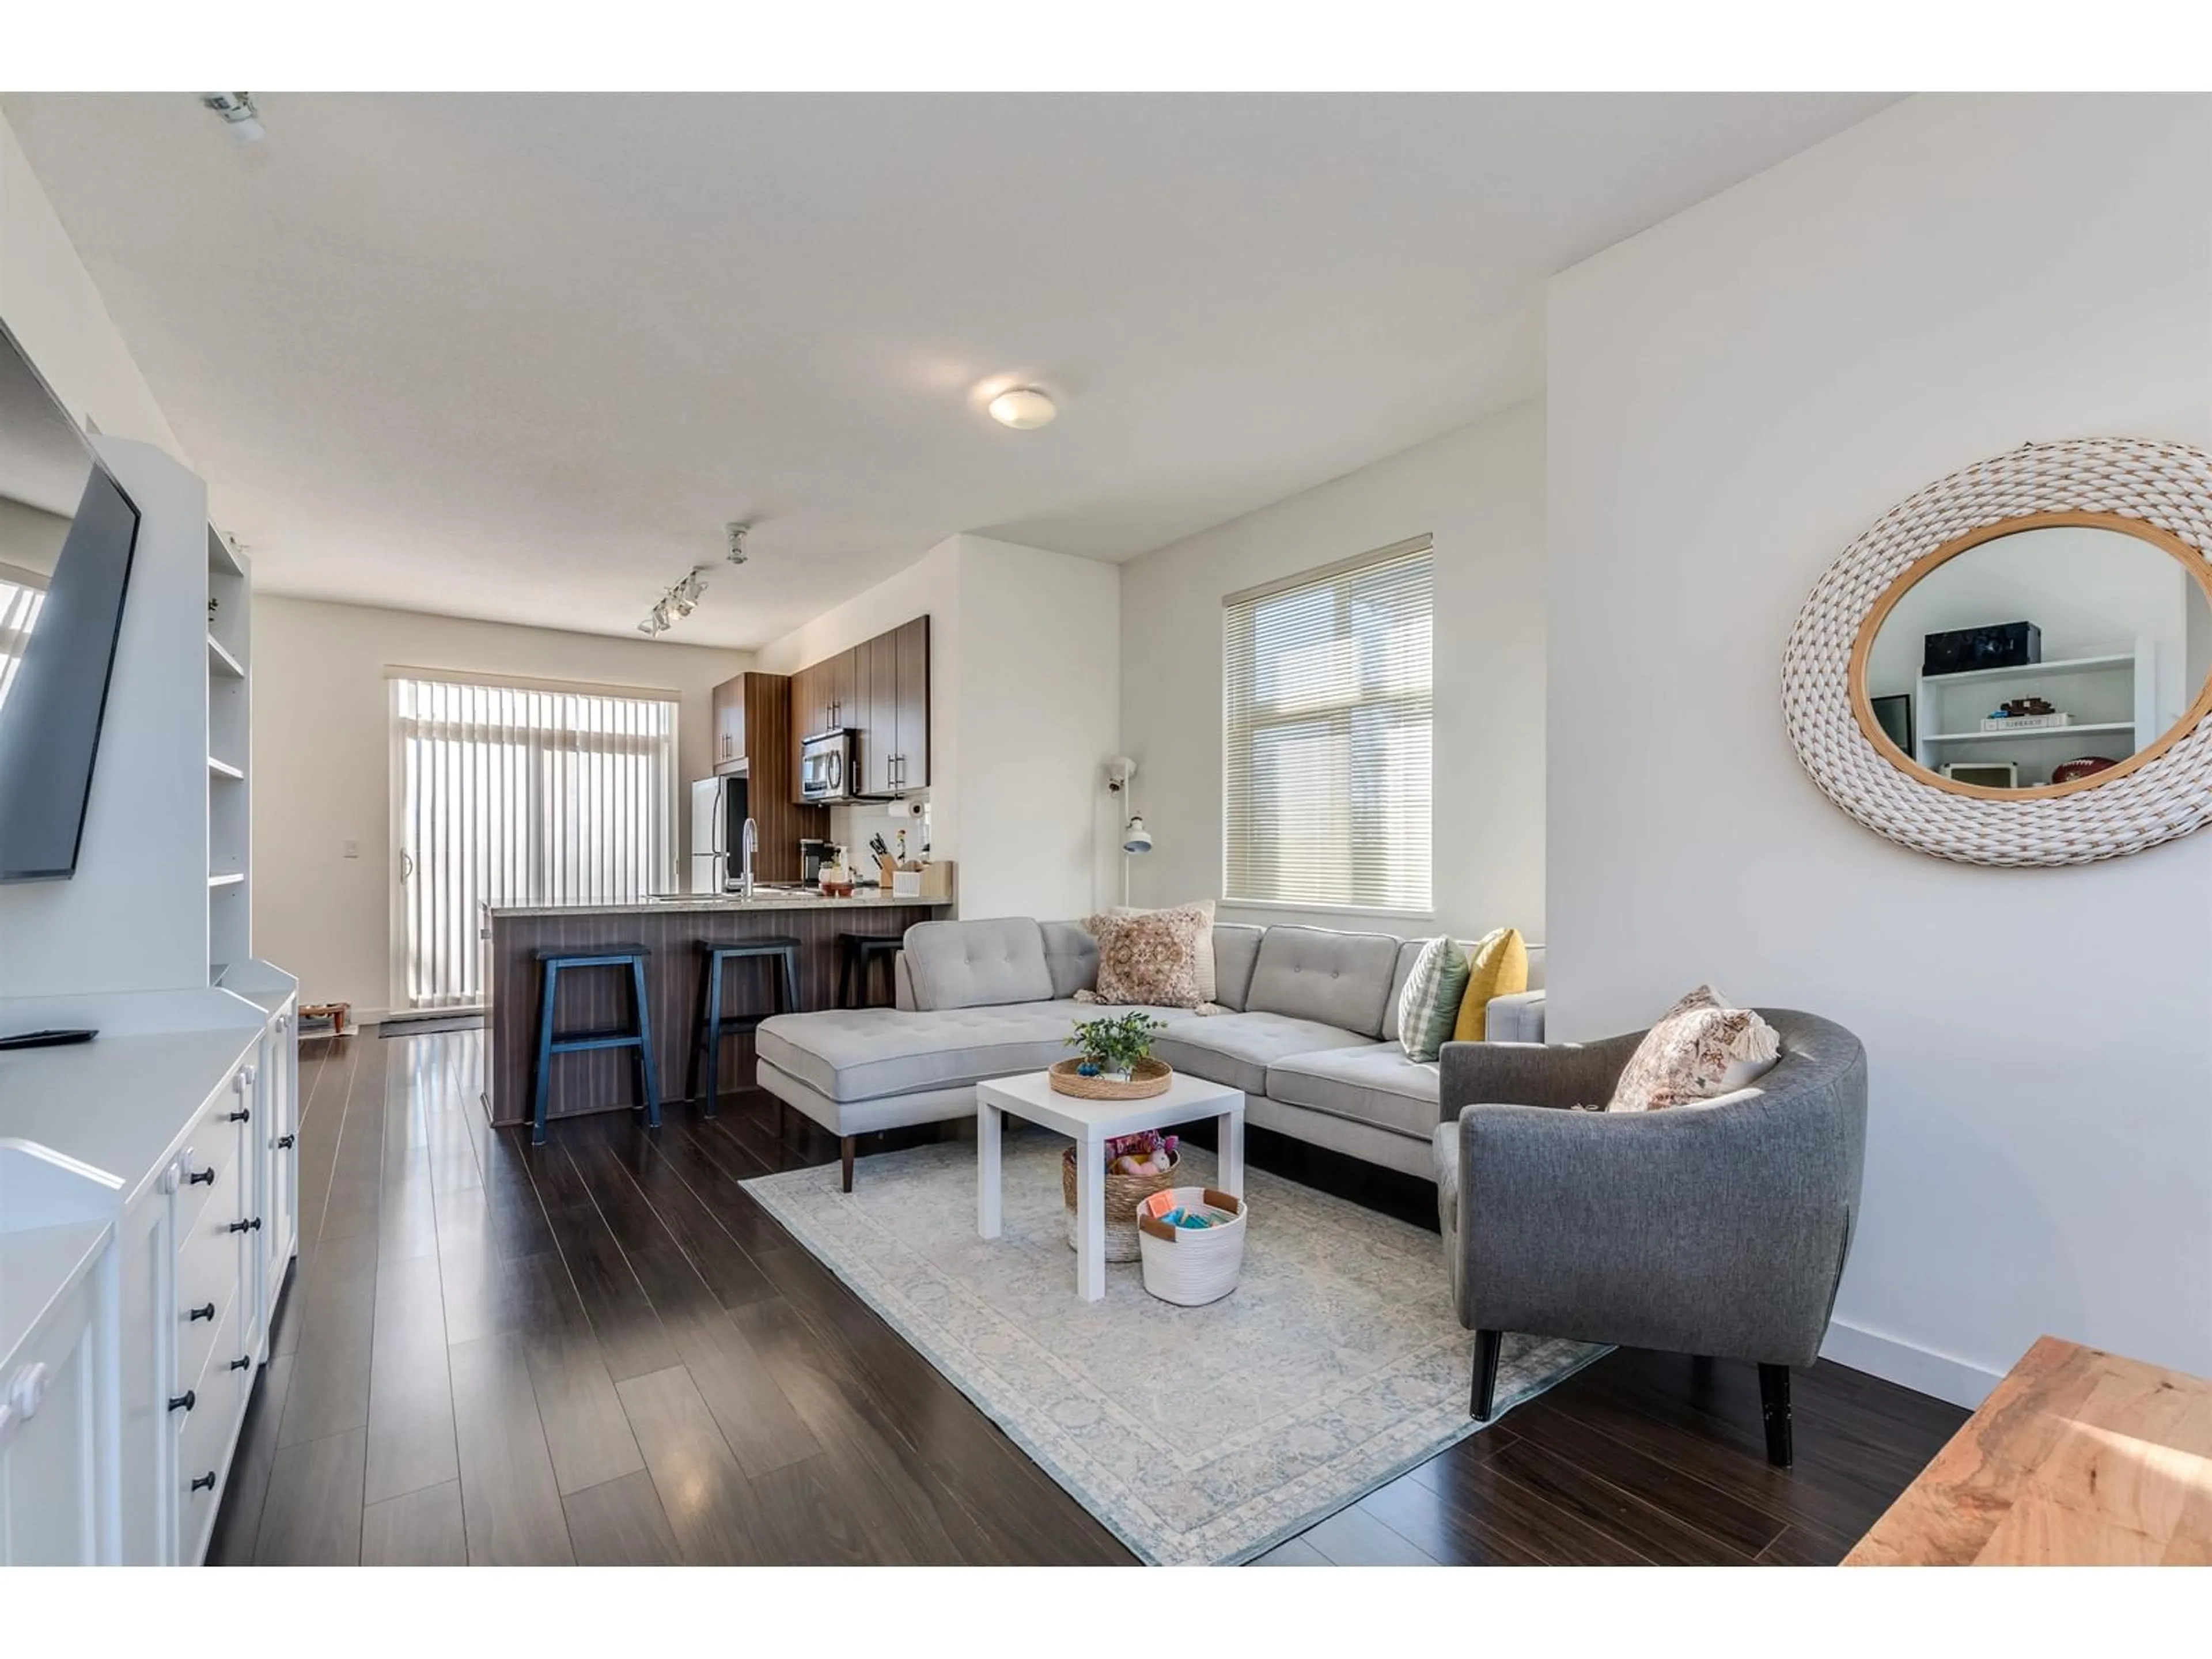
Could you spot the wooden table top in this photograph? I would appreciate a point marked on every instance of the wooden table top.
(2078, 1458)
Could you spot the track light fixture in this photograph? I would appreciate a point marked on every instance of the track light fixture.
(239, 113)
(677, 602)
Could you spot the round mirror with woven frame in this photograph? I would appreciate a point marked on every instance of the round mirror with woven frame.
(2068, 585)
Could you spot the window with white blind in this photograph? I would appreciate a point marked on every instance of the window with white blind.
(517, 794)
(20, 602)
(1326, 713)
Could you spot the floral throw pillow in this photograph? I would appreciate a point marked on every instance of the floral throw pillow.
(1701, 1048)
(1207, 983)
(1149, 959)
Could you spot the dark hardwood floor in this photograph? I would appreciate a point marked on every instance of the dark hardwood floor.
(602, 1351)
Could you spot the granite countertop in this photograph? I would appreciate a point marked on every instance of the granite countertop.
(698, 902)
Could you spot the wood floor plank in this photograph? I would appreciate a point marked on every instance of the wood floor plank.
(329, 1391)
(1483, 1518)
(237, 1523)
(1293, 1553)
(622, 1523)
(423, 1528)
(757, 1418)
(585, 1433)
(702, 1489)
(1655, 1535)
(630, 1336)
(510, 1502)
(410, 1399)
(1353, 1537)
(311, 1518)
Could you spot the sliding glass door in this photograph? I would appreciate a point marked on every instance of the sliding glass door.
(514, 795)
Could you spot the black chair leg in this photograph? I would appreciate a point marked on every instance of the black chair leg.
(1774, 1407)
(845, 1151)
(1484, 1395)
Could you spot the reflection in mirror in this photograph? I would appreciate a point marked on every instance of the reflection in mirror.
(2046, 655)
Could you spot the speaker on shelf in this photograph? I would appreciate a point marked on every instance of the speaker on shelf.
(1998, 645)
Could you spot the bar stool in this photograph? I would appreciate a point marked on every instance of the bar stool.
(857, 956)
(714, 1025)
(555, 960)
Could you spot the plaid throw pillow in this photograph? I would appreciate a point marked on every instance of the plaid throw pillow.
(1428, 1007)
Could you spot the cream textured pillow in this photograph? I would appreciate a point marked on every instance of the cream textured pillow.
(1207, 980)
(1149, 959)
(1701, 1048)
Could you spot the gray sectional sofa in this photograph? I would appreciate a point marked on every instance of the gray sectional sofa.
(1310, 1037)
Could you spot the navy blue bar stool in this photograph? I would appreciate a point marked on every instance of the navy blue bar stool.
(857, 957)
(554, 961)
(714, 1025)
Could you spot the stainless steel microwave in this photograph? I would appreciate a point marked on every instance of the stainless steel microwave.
(825, 766)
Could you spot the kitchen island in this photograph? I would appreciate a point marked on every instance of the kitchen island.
(597, 998)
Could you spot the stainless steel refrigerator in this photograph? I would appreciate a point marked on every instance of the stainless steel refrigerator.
(718, 816)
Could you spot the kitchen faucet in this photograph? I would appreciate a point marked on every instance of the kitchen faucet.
(748, 844)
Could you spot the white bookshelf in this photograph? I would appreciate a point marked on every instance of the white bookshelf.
(2112, 696)
(229, 761)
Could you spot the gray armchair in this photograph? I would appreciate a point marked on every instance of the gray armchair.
(1718, 1229)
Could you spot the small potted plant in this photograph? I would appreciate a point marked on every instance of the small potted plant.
(1111, 1048)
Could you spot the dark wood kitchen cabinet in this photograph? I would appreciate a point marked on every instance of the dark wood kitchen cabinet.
(911, 705)
(729, 724)
(879, 690)
(753, 717)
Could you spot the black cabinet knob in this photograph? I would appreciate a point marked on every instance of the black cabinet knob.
(207, 1312)
(253, 1226)
(201, 1178)
(204, 1481)
(237, 1117)
(283, 1141)
(184, 1401)
(239, 1364)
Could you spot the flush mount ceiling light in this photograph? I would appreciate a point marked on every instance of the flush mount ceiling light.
(239, 113)
(673, 606)
(1022, 407)
(736, 535)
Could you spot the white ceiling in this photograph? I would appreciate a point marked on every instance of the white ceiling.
(519, 356)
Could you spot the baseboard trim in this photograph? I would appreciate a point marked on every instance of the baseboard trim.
(1921, 1369)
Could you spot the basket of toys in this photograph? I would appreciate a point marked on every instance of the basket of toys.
(1192, 1241)
(1137, 1166)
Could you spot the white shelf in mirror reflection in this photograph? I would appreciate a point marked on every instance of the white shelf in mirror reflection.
(2043, 731)
(2123, 660)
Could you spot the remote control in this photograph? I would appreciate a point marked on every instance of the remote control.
(46, 1039)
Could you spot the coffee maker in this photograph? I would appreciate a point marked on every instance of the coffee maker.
(812, 856)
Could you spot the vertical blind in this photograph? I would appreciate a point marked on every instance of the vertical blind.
(19, 615)
(1326, 714)
(512, 795)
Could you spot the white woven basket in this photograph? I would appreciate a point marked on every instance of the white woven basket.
(2165, 485)
(1191, 1266)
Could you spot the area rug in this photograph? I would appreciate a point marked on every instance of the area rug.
(1197, 1434)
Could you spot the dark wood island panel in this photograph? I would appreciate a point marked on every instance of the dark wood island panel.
(596, 998)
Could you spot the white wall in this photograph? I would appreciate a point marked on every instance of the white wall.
(321, 762)
(48, 302)
(1480, 491)
(1734, 396)
(1024, 705)
(1039, 713)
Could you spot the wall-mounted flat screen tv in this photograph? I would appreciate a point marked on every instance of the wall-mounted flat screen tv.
(67, 533)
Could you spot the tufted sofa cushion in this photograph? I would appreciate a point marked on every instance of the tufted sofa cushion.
(1376, 1084)
(1070, 955)
(977, 964)
(1235, 948)
(1316, 974)
(863, 1054)
(1236, 1049)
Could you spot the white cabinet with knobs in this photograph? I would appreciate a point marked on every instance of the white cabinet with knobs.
(149, 1199)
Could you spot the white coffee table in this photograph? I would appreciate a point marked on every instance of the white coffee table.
(1090, 1124)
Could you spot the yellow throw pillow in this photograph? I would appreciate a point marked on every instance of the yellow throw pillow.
(1500, 963)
